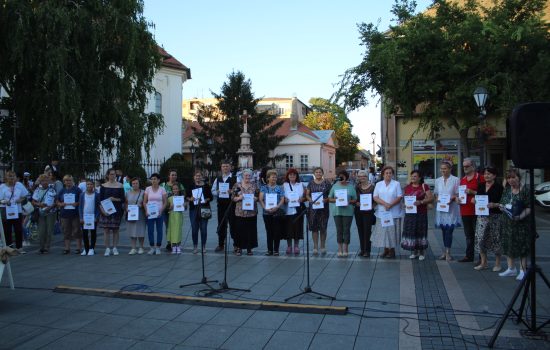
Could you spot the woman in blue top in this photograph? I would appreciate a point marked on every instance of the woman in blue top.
(343, 214)
(273, 217)
(68, 200)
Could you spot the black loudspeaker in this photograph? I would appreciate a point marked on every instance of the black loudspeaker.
(529, 135)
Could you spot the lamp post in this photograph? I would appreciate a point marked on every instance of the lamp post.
(373, 136)
(480, 96)
(192, 149)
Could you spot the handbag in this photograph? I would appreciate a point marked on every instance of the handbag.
(206, 213)
(28, 208)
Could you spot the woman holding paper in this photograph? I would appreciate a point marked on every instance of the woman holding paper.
(245, 196)
(172, 179)
(344, 196)
(516, 235)
(294, 198)
(415, 224)
(43, 200)
(199, 196)
(68, 200)
(88, 211)
(272, 200)
(111, 196)
(175, 218)
(487, 234)
(154, 202)
(318, 189)
(447, 215)
(135, 216)
(12, 194)
(388, 195)
(364, 213)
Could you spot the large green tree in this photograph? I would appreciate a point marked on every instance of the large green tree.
(222, 125)
(78, 74)
(326, 115)
(428, 65)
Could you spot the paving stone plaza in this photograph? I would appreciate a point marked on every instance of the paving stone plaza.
(392, 304)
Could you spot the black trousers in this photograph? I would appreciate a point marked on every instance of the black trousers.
(273, 229)
(363, 220)
(228, 222)
(469, 223)
(86, 240)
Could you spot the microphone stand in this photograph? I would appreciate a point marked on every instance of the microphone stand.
(198, 219)
(307, 288)
(224, 287)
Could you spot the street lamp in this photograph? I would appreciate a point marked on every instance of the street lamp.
(373, 136)
(480, 96)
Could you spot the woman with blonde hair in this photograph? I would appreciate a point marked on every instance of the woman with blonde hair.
(447, 214)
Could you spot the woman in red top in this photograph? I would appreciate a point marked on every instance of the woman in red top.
(415, 226)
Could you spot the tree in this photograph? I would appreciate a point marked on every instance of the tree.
(326, 115)
(78, 74)
(221, 126)
(428, 65)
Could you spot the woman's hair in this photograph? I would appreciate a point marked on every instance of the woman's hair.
(513, 172)
(68, 177)
(291, 171)
(362, 173)
(155, 175)
(135, 179)
(247, 171)
(108, 171)
(371, 169)
(417, 172)
(319, 168)
(447, 163)
(491, 169)
(270, 172)
(177, 184)
(343, 173)
(386, 168)
(90, 181)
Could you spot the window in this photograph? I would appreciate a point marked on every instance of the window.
(281, 111)
(158, 102)
(289, 162)
(304, 162)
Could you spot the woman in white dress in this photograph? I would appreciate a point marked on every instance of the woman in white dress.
(447, 215)
(388, 195)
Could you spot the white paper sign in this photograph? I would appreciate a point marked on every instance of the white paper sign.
(341, 197)
(248, 201)
(223, 190)
(365, 201)
(153, 210)
(410, 208)
(197, 193)
(49, 198)
(89, 221)
(386, 218)
(293, 199)
(133, 212)
(462, 194)
(319, 204)
(69, 198)
(482, 205)
(179, 203)
(12, 211)
(108, 206)
(442, 202)
(270, 200)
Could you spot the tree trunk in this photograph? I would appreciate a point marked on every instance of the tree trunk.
(464, 142)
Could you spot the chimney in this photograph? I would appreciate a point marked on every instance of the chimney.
(294, 114)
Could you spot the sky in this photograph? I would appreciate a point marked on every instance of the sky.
(286, 48)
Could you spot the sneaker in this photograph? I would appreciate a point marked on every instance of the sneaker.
(91, 252)
(315, 252)
(151, 251)
(288, 250)
(107, 252)
(174, 249)
(412, 256)
(132, 252)
(195, 250)
(178, 250)
(204, 250)
(323, 251)
(509, 273)
(21, 251)
(520, 275)
(83, 252)
(497, 268)
(421, 257)
(481, 267)
(157, 250)
(296, 250)
(140, 251)
(115, 251)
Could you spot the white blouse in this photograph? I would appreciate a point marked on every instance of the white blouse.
(297, 188)
(448, 187)
(388, 193)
